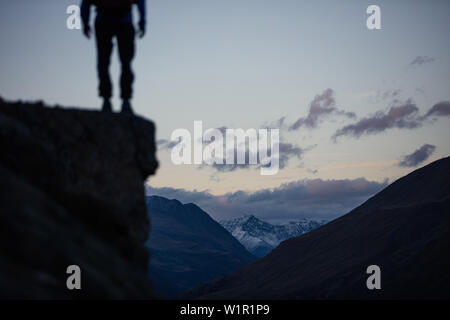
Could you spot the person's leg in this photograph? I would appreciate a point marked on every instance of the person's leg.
(125, 39)
(104, 35)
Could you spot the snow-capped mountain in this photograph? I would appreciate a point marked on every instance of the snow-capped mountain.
(260, 237)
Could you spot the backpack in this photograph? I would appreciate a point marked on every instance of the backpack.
(114, 4)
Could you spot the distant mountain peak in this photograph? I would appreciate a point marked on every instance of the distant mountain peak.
(260, 237)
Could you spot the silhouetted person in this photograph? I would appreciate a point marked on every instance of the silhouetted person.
(114, 19)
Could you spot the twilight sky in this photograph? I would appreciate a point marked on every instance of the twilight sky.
(357, 108)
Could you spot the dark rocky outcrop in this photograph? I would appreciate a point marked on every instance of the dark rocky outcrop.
(72, 193)
(404, 229)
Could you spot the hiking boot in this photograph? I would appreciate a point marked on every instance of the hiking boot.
(107, 106)
(126, 107)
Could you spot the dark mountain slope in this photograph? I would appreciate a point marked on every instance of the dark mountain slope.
(188, 247)
(404, 229)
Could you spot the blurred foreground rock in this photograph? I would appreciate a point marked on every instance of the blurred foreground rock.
(72, 193)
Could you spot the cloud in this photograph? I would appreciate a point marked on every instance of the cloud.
(277, 124)
(441, 109)
(404, 116)
(385, 95)
(164, 144)
(181, 194)
(323, 105)
(315, 198)
(421, 60)
(389, 94)
(418, 156)
(287, 151)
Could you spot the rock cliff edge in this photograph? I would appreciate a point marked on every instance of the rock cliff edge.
(72, 193)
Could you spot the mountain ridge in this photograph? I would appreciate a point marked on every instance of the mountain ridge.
(405, 229)
(188, 247)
